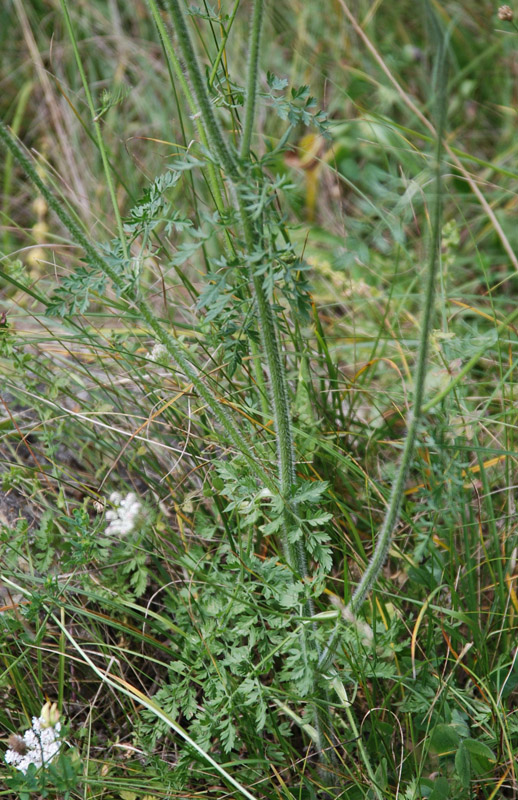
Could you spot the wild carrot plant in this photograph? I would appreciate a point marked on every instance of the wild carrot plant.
(222, 588)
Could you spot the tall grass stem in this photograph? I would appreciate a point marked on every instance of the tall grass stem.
(97, 127)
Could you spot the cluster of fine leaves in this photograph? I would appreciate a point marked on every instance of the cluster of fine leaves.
(244, 649)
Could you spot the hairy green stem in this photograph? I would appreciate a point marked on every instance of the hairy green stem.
(213, 174)
(269, 340)
(254, 44)
(226, 157)
(295, 556)
(390, 520)
(379, 556)
(270, 344)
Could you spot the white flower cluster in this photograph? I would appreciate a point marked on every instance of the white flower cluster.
(159, 352)
(123, 517)
(38, 746)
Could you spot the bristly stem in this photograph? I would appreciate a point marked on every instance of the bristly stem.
(378, 558)
(269, 336)
(254, 44)
(269, 339)
(270, 343)
(295, 556)
(226, 157)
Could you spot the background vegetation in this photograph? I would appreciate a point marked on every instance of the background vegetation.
(180, 649)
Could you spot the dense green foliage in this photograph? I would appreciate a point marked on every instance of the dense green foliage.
(258, 516)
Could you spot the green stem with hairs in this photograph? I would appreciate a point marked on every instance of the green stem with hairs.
(284, 437)
(269, 341)
(381, 550)
(227, 159)
(380, 554)
(295, 556)
(269, 338)
(254, 44)
(251, 94)
(213, 176)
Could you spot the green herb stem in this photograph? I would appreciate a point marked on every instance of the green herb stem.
(381, 550)
(254, 44)
(227, 159)
(295, 556)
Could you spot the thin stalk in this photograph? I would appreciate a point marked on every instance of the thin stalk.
(254, 44)
(269, 339)
(226, 157)
(221, 49)
(185, 142)
(379, 556)
(384, 541)
(214, 181)
(251, 95)
(396, 496)
(173, 348)
(97, 128)
(8, 168)
(296, 558)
